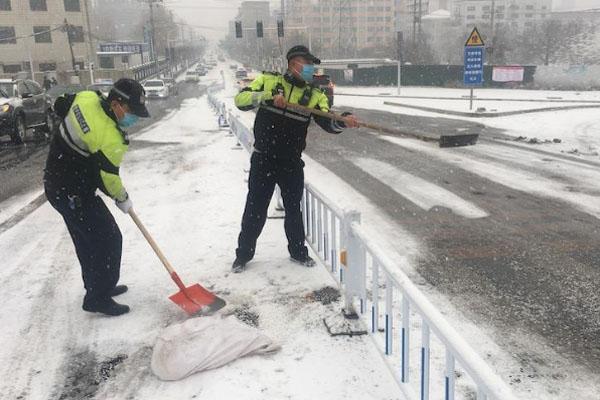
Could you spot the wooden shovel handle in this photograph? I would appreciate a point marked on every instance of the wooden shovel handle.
(361, 124)
(152, 243)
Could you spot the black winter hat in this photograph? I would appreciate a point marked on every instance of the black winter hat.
(131, 93)
(302, 51)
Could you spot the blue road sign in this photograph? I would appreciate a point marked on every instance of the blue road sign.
(474, 59)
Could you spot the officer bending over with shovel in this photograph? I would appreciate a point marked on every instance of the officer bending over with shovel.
(85, 155)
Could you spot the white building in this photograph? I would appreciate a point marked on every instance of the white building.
(512, 14)
(32, 35)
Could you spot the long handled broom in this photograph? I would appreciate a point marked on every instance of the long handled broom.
(444, 140)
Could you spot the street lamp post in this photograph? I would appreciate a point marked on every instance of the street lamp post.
(153, 34)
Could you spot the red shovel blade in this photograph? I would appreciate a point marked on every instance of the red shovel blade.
(195, 299)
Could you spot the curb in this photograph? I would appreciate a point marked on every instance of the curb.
(489, 115)
(466, 98)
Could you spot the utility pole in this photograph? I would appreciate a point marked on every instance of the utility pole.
(344, 8)
(417, 12)
(340, 29)
(420, 15)
(69, 31)
(492, 37)
(414, 30)
(91, 56)
(153, 36)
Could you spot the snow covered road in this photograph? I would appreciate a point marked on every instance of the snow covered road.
(186, 179)
(521, 281)
(525, 271)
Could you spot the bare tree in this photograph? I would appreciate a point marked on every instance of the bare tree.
(546, 41)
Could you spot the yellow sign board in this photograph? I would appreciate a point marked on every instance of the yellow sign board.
(474, 39)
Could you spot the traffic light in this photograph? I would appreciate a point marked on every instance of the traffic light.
(259, 29)
(280, 28)
(238, 29)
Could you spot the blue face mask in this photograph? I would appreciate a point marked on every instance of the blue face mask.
(128, 120)
(308, 70)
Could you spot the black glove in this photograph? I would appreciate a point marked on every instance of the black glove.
(341, 124)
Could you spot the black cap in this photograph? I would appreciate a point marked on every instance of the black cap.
(302, 51)
(132, 93)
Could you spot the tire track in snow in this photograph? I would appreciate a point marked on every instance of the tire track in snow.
(35, 354)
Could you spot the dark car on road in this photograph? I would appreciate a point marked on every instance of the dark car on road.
(241, 73)
(201, 70)
(24, 105)
(59, 90)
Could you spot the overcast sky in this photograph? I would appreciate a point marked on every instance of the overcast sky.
(576, 4)
(212, 16)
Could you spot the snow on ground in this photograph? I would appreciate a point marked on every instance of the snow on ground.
(578, 185)
(488, 106)
(438, 92)
(10, 206)
(577, 129)
(579, 190)
(419, 191)
(187, 184)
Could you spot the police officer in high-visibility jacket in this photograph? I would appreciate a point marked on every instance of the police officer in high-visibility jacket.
(85, 155)
(279, 139)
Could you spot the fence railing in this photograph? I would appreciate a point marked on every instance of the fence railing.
(375, 288)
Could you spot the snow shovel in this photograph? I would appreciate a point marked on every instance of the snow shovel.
(443, 140)
(193, 299)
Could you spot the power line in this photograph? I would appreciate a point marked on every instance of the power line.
(11, 38)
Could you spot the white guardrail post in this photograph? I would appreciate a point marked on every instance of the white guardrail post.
(350, 261)
(342, 245)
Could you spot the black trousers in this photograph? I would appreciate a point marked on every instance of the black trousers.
(265, 173)
(97, 240)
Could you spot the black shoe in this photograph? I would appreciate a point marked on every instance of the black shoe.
(238, 266)
(305, 260)
(119, 289)
(107, 307)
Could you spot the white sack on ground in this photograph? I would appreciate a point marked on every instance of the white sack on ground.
(204, 343)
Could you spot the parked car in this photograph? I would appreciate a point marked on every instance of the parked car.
(233, 66)
(172, 85)
(58, 90)
(324, 83)
(201, 70)
(24, 105)
(241, 73)
(191, 76)
(156, 88)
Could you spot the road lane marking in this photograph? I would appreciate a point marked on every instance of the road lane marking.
(505, 175)
(423, 193)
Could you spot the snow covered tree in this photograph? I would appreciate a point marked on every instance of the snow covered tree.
(546, 42)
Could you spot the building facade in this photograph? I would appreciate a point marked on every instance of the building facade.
(33, 35)
(510, 14)
(343, 28)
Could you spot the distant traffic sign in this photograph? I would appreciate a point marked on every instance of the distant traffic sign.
(474, 39)
(474, 59)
